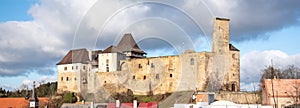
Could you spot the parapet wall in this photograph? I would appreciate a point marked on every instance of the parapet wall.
(240, 97)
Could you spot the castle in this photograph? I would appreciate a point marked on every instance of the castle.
(122, 67)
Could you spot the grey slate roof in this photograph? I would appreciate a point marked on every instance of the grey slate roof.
(127, 43)
(232, 48)
(111, 49)
(75, 56)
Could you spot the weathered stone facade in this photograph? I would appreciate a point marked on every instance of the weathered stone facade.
(204, 71)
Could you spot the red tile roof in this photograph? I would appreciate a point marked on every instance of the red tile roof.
(20, 102)
(148, 105)
(281, 87)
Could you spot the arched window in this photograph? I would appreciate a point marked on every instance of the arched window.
(192, 62)
(67, 78)
(232, 87)
(62, 78)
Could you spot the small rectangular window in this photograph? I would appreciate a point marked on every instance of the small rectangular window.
(133, 77)
(83, 67)
(144, 77)
(107, 69)
(152, 65)
(72, 67)
(157, 76)
(65, 68)
(140, 65)
(171, 75)
(62, 78)
(107, 62)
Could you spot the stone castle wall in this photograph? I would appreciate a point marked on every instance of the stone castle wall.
(204, 71)
(240, 97)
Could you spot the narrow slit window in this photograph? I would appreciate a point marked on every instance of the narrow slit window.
(192, 62)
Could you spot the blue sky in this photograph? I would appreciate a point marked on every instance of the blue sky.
(35, 34)
(16, 10)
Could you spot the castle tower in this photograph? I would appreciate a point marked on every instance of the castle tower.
(225, 62)
(221, 36)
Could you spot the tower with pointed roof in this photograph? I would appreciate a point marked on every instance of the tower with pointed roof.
(128, 46)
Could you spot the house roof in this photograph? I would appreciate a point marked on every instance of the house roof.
(75, 56)
(127, 43)
(281, 87)
(148, 105)
(232, 48)
(20, 102)
(111, 49)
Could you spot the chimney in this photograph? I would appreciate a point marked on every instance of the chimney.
(90, 54)
(135, 103)
(118, 103)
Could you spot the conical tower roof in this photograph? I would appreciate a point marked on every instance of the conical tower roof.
(127, 43)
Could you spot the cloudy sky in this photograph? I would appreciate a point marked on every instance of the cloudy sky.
(36, 34)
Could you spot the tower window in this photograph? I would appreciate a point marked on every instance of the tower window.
(233, 56)
(157, 76)
(152, 65)
(144, 77)
(107, 69)
(107, 62)
(171, 75)
(192, 62)
(107, 65)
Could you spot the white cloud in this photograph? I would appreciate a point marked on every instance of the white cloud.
(254, 62)
(27, 82)
(35, 46)
(254, 19)
(249, 86)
